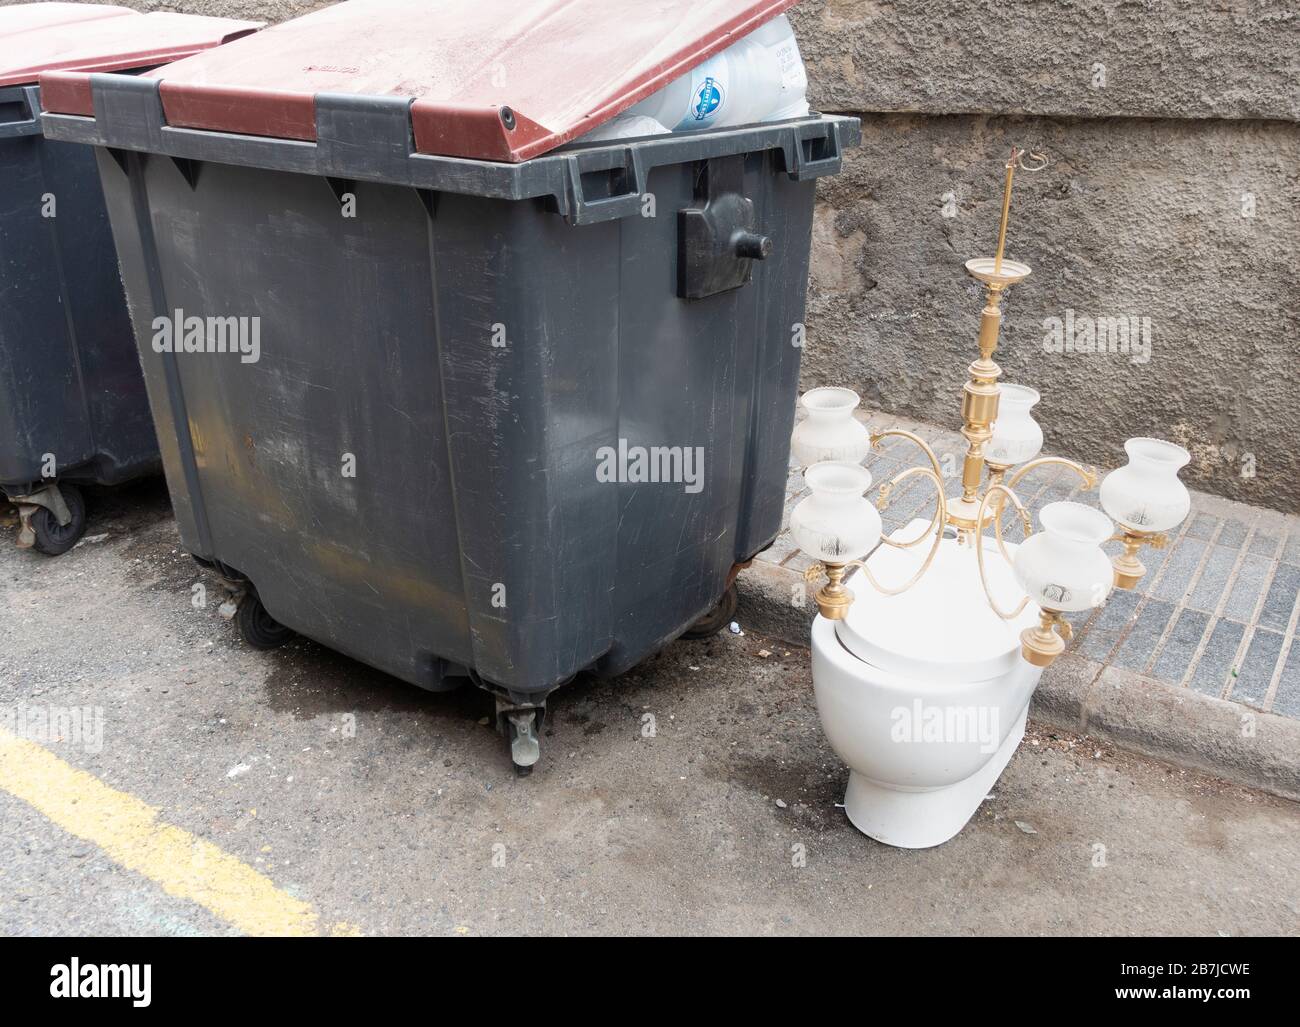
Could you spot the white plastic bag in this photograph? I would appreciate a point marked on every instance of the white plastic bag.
(760, 78)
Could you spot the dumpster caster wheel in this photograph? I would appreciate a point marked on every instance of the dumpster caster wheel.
(717, 618)
(258, 628)
(53, 538)
(525, 750)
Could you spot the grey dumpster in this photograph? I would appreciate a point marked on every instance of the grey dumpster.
(436, 385)
(73, 408)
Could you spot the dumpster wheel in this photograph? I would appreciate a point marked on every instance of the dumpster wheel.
(717, 618)
(53, 538)
(525, 747)
(258, 628)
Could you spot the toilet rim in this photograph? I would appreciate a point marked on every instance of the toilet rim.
(827, 642)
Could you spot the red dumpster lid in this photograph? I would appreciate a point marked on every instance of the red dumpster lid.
(562, 67)
(25, 17)
(119, 43)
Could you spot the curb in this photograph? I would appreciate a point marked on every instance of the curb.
(1138, 714)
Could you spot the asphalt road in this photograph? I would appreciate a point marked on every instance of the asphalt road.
(316, 794)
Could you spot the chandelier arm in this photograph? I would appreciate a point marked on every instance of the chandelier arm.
(1026, 522)
(936, 522)
(979, 548)
(1088, 474)
(941, 513)
(999, 509)
(940, 519)
(903, 433)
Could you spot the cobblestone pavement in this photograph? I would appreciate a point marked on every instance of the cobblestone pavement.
(1216, 611)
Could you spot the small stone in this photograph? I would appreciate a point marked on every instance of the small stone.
(780, 803)
(1026, 828)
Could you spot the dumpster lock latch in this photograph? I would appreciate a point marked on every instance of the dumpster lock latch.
(718, 241)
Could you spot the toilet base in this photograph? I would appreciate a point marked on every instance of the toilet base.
(921, 819)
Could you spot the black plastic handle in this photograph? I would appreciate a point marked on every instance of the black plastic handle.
(751, 245)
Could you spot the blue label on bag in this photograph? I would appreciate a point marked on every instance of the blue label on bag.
(708, 98)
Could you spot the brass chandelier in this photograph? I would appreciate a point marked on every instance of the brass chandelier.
(1061, 575)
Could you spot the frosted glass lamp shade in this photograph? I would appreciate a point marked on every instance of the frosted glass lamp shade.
(1017, 438)
(1063, 567)
(837, 523)
(1145, 494)
(830, 431)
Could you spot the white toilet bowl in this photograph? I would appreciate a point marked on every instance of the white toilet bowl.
(924, 695)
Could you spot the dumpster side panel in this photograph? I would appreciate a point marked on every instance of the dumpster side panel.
(123, 178)
(786, 211)
(70, 382)
(683, 388)
(715, 376)
(528, 340)
(41, 404)
(318, 452)
(115, 402)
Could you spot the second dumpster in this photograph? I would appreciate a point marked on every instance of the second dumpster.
(73, 408)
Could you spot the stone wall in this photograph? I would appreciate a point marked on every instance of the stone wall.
(1173, 198)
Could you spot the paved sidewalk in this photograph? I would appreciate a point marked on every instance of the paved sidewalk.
(1216, 611)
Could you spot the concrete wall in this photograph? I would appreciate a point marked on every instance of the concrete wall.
(1174, 195)
(1173, 198)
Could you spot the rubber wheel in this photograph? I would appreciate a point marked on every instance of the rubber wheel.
(258, 628)
(53, 538)
(717, 618)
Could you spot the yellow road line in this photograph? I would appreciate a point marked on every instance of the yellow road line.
(130, 833)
